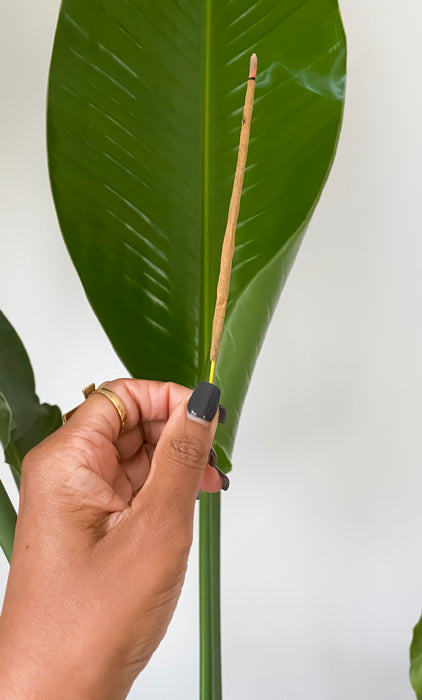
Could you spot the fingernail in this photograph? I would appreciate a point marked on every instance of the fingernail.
(212, 461)
(204, 401)
(222, 414)
(225, 481)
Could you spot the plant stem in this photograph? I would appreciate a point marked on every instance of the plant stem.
(7, 522)
(209, 597)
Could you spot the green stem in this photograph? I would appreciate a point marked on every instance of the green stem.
(7, 522)
(209, 597)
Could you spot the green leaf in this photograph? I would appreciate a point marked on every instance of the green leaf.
(7, 523)
(23, 420)
(5, 431)
(416, 660)
(144, 111)
(5, 421)
(7, 511)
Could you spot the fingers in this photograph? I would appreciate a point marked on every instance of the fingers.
(149, 405)
(182, 453)
(145, 401)
(210, 480)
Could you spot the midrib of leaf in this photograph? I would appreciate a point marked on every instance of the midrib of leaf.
(205, 305)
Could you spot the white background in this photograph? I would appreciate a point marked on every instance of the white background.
(322, 563)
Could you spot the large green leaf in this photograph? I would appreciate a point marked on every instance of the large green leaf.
(144, 111)
(23, 420)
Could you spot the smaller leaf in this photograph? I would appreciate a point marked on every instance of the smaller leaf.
(7, 523)
(7, 511)
(5, 421)
(9, 448)
(24, 421)
(416, 660)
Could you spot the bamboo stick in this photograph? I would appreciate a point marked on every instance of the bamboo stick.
(229, 236)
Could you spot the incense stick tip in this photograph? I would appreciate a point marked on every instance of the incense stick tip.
(253, 66)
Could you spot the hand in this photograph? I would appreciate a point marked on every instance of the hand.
(102, 541)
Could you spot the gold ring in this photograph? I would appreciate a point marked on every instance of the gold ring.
(110, 395)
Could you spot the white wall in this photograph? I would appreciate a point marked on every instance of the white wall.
(322, 565)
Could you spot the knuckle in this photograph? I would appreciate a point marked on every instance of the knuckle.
(187, 451)
(34, 460)
(36, 476)
(88, 446)
(117, 384)
(28, 461)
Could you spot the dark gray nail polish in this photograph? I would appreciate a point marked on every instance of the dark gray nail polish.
(204, 401)
(222, 414)
(212, 461)
(225, 481)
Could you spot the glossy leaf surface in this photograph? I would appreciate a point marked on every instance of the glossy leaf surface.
(144, 111)
(24, 421)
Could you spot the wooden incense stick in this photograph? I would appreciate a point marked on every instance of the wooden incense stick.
(229, 236)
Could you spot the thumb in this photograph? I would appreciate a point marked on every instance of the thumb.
(182, 452)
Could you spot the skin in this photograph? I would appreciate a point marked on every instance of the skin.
(102, 542)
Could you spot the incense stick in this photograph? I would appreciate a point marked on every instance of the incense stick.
(229, 236)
